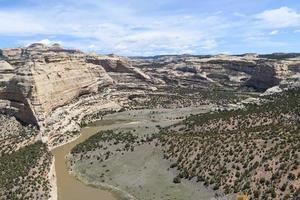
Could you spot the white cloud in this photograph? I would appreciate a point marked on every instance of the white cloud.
(48, 42)
(139, 28)
(121, 30)
(93, 25)
(275, 32)
(263, 41)
(297, 31)
(225, 52)
(209, 44)
(16, 22)
(279, 18)
(92, 46)
(238, 14)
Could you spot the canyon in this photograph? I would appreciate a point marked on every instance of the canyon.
(38, 79)
(50, 93)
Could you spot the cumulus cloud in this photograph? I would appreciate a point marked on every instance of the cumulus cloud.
(279, 18)
(92, 46)
(128, 30)
(122, 31)
(275, 32)
(45, 41)
(48, 42)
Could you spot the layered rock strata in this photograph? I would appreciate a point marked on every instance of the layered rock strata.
(38, 81)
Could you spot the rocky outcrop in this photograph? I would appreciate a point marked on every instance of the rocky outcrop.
(37, 79)
(54, 88)
(117, 64)
(267, 75)
(249, 70)
(15, 89)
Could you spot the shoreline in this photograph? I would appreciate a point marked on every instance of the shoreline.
(53, 181)
(115, 191)
(65, 142)
(52, 173)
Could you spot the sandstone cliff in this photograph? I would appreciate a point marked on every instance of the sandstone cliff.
(248, 70)
(37, 80)
(54, 88)
(42, 79)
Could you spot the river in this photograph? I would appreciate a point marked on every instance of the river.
(68, 187)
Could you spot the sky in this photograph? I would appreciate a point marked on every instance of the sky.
(154, 27)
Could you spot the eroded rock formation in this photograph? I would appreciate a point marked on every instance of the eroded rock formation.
(37, 79)
(54, 88)
(40, 84)
(248, 70)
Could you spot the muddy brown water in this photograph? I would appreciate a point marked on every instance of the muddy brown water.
(68, 187)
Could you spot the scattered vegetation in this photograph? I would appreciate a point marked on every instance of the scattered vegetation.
(95, 141)
(94, 117)
(24, 173)
(14, 135)
(255, 150)
(177, 97)
(280, 56)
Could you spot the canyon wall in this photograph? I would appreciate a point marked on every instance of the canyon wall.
(38, 79)
(222, 70)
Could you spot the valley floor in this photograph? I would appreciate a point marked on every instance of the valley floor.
(142, 171)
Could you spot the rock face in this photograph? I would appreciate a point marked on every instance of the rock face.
(268, 74)
(37, 80)
(117, 64)
(248, 70)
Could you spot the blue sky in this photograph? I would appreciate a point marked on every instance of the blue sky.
(136, 27)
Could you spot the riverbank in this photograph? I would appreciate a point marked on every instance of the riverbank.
(53, 181)
(142, 172)
(66, 182)
(117, 192)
